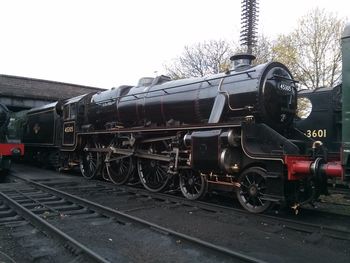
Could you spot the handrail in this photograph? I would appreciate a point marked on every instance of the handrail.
(134, 96)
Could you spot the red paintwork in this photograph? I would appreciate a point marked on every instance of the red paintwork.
(5, 148)
(334, 169)
(300, 166)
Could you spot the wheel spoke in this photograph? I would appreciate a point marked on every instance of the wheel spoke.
(192, 185)
(153, 176)
(252, 186)
(247, 178)
(90, 162)
(154, 173)
(119, 169)
(158, 176)
(162, 169)
(196, 188)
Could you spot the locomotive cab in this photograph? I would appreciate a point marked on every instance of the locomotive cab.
(69, 122)
(73, 115)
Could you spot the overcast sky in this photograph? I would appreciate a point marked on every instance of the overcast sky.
(109, 43)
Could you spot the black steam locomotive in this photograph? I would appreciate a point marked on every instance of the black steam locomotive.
(231, 131)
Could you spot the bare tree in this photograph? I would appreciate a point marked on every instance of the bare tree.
(201, 59)
(284, 50)
(212, 57)
(312, 51)
(262, 50)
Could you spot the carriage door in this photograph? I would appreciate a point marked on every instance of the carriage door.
(69, 118)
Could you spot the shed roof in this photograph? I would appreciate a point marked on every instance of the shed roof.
(22, 87)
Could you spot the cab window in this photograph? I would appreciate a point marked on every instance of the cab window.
(70, 111)
(66, 112)
(73, 111)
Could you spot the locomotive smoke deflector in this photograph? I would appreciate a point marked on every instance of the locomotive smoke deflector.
(238, 62)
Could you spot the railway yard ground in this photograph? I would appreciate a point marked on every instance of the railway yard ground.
(46, 216)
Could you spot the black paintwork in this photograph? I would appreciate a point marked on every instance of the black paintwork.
(42, 126)
(325, 115)
(265, 91)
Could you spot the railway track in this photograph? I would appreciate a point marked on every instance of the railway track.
(21, 211)
(40, 204)
(217, 223)
(345, 192)
(285, 221)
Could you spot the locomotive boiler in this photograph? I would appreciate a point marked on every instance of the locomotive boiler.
(264, 92)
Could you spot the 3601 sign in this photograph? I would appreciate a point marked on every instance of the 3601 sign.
(321, 133)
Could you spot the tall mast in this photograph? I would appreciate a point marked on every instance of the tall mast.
(249, 21)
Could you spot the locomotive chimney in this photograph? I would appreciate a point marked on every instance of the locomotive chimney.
(241, 61)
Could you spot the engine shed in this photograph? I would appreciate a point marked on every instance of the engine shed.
(21, 93)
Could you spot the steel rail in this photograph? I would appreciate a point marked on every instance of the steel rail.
(288, 223)
(52, 230)
(343, 191)
(114, 213)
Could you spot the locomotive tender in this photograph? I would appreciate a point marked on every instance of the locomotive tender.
(230, 131)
